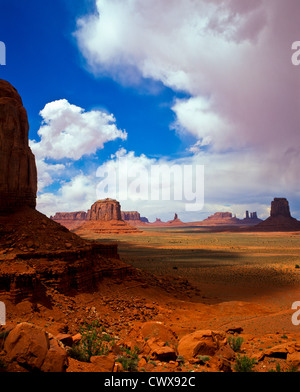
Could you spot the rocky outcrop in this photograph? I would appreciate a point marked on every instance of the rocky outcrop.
(18, 175)
(105, 210)
(280, 218)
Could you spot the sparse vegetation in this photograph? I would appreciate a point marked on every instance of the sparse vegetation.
(129, 360)
(244, 364)
(93, 342)
(203, 358)
(235, 343)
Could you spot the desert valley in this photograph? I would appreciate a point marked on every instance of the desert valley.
(106, 290)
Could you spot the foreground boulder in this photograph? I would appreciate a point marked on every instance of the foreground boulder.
(204, 342)
(34, 349)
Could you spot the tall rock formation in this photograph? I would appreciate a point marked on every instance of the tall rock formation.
(18, 175)
(280, 207)
(251, 219)
(105, 210)
(104, 217)
(280, 218)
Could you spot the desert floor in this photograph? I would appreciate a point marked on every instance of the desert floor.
(249, 280)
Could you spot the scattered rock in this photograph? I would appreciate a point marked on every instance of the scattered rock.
(164, 354)
(105, 363)
(204, 342)
(234, 329)
(34, 349)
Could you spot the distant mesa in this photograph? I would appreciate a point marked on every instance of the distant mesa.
(134, 218)
(223, 219)
(220, 219)
(70, 220)
(105, 210)
(280, 218)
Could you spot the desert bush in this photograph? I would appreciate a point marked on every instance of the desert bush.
(129, 359)
(93, 342)
(244, 364)
(235, 343)
(203, 358)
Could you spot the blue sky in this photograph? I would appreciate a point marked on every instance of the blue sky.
(186, 83)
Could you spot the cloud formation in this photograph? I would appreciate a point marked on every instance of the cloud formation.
(70, 132)
(233, 57)
(233, 60)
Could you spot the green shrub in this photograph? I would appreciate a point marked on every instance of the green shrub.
(129, 360)
(244, 364)
(93, 342)
(235, 343)
(203, 358)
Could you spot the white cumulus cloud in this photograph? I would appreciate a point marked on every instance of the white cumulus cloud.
(68, 131)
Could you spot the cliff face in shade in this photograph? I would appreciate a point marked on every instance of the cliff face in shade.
(18, 175)
(105, 210)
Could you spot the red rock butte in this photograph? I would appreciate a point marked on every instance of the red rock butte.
(18, 175)
(104, 217)
(280, 218)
